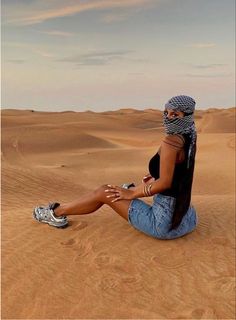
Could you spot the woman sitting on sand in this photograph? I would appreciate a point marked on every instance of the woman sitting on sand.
(169, 182)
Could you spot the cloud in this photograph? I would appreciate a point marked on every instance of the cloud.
(42, 10)
(17, 61)
(44, 53)
(136, 73)
(122, 14)
(95, 58)
(209, 66)
(115, 17)
(218, 75)
(202, 45)
(15, 44)
(58, 33)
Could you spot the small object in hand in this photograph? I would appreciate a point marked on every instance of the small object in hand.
(128, 185)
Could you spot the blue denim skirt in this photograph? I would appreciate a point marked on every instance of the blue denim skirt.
(155, 220)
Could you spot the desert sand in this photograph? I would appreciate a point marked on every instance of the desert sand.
(100, 267)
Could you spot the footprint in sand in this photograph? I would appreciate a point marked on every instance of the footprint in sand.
(223, 241)
(80, 225)
(111, 284)
(81, 250)
(206, 313)
(102, 259)
(198, 313)
(163, 259)
(69, 242)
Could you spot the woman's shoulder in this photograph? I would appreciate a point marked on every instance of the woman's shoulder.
(177, 139)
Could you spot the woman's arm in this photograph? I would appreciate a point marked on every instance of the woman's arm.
(169, 150)
(167, 164)
(157, 186)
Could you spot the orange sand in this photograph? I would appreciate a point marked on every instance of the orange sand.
(100, 267)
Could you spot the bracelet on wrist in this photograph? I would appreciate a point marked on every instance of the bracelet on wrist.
(147, 190)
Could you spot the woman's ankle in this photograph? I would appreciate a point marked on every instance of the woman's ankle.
(59, 211)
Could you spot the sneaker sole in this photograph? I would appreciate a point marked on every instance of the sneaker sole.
(50, 223)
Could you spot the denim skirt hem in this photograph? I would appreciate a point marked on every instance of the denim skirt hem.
(155, 220)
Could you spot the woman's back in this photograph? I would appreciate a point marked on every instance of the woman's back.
(181, 184)
(154, 169)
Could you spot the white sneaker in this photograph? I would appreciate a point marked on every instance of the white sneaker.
(46, 215)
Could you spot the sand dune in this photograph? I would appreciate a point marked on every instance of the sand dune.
(218, 122)
(100, 267)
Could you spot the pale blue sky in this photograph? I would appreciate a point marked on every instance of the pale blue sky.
(110, 54)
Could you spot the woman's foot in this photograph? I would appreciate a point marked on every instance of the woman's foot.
(46, 214)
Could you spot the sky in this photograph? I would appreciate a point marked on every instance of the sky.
(104, 55)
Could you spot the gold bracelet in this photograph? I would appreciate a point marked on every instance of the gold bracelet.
(149, 189)
(145, 191)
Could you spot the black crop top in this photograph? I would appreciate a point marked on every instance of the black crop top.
(154, 170)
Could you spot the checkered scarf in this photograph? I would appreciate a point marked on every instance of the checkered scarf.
(183, 125)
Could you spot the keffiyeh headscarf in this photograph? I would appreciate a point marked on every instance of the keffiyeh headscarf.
(183, 125)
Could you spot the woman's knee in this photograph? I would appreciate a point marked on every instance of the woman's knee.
(100, 193)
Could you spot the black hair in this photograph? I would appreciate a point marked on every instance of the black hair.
(184, 189)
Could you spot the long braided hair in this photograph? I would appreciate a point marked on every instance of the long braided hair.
(186, 127)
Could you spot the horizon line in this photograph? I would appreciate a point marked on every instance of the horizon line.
(120, 109)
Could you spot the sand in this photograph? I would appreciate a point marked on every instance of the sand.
(100, 267)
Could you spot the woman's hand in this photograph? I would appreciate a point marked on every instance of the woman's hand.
(147, 178)
(119, 193)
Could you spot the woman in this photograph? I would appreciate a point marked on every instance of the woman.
(169, 182)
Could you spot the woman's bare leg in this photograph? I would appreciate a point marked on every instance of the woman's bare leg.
(91, 202)
(85, 204)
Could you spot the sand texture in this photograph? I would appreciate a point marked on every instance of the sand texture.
(100, 267)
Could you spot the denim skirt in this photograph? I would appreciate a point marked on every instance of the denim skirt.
(155, 220)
